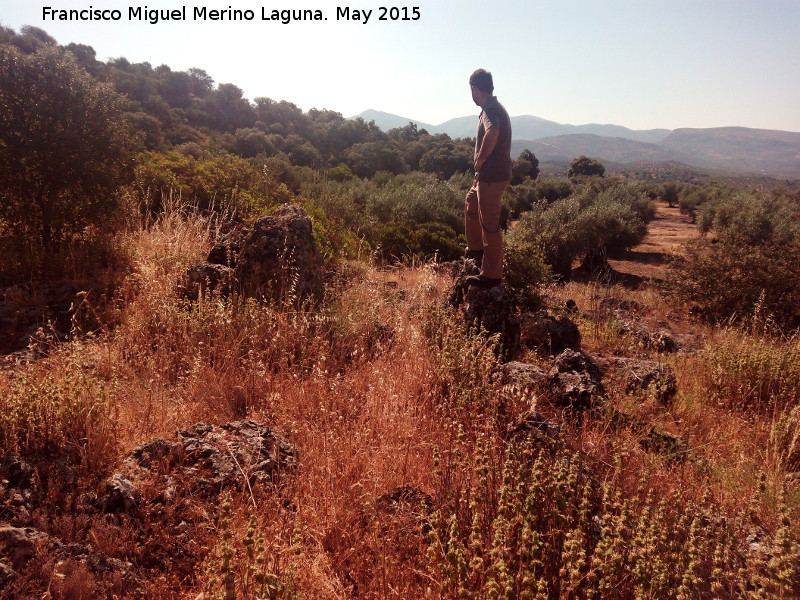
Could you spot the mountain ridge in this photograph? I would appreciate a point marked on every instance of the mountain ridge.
(735, 149)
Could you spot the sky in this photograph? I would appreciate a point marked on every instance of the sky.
(642, 64)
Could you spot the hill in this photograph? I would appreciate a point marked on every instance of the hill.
(524, 127)
(738, 150)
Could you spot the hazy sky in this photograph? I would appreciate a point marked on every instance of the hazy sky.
(638, 63)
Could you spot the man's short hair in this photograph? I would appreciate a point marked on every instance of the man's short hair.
(482, 80)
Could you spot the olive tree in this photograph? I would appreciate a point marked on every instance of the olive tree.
(583, 165)
(64, 146)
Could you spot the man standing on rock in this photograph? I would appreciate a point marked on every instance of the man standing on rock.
(492, 174)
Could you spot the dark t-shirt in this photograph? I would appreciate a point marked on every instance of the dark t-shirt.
(498, 164)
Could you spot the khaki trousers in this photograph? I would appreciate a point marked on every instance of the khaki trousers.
(482, 225)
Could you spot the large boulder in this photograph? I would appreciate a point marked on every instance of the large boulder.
(275, 258)
(489, 309)
(204, 460)
(575, 382)
(548, 334)
(280, 259)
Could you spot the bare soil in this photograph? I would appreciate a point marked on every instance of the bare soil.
(666, 233)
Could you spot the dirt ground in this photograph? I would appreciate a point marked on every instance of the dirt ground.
(665, 235)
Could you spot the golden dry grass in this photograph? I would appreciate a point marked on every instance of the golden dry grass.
(372, 408)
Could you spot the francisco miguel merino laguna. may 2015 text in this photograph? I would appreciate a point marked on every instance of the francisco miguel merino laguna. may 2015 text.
(203, 13)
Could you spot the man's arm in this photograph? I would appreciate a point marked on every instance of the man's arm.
(487, 145)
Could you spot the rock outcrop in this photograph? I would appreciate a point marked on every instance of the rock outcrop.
(274, 258)
(202, 461)
(489, 309)
(547, 334)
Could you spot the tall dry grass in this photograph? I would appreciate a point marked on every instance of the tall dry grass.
(408, 486)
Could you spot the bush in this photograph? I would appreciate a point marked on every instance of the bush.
(595, 222)
(730, 282)
(65, 149)
(750, 266)
(525, 270)
(409, 239)
(225, 183)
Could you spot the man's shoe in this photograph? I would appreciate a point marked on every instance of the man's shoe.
(481, 282)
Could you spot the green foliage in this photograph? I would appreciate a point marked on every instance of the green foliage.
(727, 282)
(367, 158)
(670, 194)
(526, 166)
(520, 198)
(445, 157)
(692, 198)
(225, 183)
(334, 240)
(551, 189)
(55, 117)
(587, 167)
(596, 221)
(402, 240)
(750, 266)
(525, 271)
(47, 416)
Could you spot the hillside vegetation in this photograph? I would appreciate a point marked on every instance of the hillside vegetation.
(159, 440)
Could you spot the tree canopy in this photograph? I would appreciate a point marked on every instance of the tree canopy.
(64, 144)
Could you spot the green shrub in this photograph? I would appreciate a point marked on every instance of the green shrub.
(598, 220)
(409, 239)
(525, 270)
(67, 415)
(225, 183)
(731, 282)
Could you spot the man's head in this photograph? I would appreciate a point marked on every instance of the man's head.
(482, 86)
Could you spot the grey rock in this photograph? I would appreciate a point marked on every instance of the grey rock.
(208, 278)
(548, 334)
(274, 258)
(575, 382)
(279, 258)
(647, 376)
(208, 458)
(120, 494)
(19, 490)
(488, 309)
(7, 574)
(18, 544)
(523, 375)
(614, 304)
(658, 338)
(534, 425)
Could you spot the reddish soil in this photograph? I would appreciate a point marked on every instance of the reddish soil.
(666, 233)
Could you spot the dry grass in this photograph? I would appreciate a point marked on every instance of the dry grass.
(380, 388)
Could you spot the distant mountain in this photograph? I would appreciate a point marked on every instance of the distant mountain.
(722, 149)
(524, 127)
(740, 149)
(387, 121)
(616, 149)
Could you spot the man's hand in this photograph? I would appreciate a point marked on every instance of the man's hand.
(487, 145)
